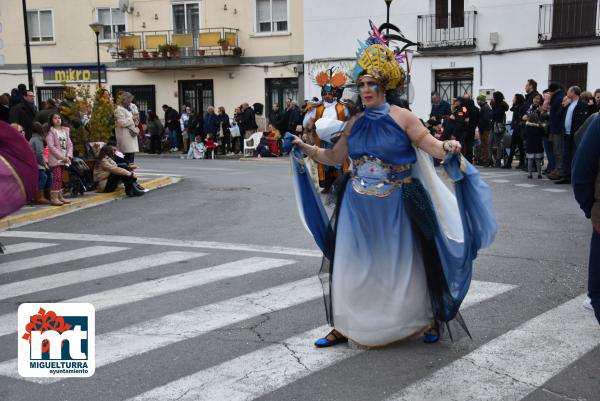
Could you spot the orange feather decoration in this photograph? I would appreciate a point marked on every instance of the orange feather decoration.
(338, 79)
(322, 78)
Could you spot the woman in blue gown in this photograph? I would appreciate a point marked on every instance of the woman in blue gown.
(402, 243)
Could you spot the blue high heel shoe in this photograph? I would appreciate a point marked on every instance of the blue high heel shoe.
(325, 342)
(432, 335)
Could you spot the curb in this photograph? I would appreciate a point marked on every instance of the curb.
(75, 205)
(264, 159)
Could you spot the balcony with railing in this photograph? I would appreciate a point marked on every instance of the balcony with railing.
(203, 47)
(447, 31)
(566, 21)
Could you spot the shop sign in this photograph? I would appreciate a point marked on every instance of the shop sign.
(73, 74)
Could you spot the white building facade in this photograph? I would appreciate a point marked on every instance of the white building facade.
(466, 46)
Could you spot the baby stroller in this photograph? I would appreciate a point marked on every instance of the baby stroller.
(81, 179)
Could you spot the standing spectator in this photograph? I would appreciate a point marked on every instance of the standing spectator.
(184, 120)
(473, 113)
(17, 95)
(597, 99)
(555, 129)
(530, 91)
(586, 186)
(278, 118)
(195, 125)
(544, 111)
(4, 110)
(172, 125)
(155, 129)
(499, 109)
(126, 128)
(261, 121)
(294, 117)
(485, 123)
(516, 141)
(533, 131)
(460, 117)
(43, 116)
(38, 144)
(248, 120)
(224, 130)
(210, 122)
(575, 115)
(440, 109)
(60, 154)
(24, 113)
(588, 98)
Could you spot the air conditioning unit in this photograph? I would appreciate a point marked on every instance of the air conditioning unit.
(488, 93)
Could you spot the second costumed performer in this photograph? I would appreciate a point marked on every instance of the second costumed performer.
(398, 250)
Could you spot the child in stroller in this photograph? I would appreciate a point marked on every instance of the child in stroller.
(81, 179)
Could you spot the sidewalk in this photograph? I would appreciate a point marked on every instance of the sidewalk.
(31, 214)
(177, 155)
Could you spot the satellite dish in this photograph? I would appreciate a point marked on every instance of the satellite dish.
(124, 5)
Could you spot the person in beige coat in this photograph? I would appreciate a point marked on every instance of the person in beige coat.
(126, 129)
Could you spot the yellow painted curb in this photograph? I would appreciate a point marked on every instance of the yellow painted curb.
(77, 204)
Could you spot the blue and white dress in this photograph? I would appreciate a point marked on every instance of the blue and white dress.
(404, 243)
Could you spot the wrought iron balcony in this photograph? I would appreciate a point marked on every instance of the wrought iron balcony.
(575, 20)
(447, 31)
(205, 47)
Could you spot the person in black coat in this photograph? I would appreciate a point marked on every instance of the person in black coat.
(460, 117)
(24, 113)
(533, 132)
(518, 109)
(4, 110)
(440, 109)
(473, 113)
(556, 128)
(499, 109)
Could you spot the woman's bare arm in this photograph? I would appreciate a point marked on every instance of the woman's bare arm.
(330, 157)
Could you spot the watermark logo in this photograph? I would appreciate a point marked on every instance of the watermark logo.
(56, 340)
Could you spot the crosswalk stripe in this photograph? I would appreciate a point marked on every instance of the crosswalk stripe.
(265, 370)
(554, 190)
(26, 246)
(526, 185)
(58, 257)
(122, 239)
(127, 342)
(500, 181)
(516, 363)
(153, 288)
(92, 273)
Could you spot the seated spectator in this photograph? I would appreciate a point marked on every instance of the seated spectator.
(108, 174)
(273, 139)
(263, 150)
(38, 144)
(210, 146)
(197, 149)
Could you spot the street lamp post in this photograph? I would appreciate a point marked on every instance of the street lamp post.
(388, 3)
(97, 27)
(27, 47)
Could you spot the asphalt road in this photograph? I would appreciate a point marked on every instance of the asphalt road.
(207, 290)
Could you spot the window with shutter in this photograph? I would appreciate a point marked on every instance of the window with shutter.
(271, 16)
(441, 14)
(41, 26)
(113, 21)
(457, 13)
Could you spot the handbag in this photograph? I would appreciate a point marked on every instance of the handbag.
(235, 131)
(133, 131)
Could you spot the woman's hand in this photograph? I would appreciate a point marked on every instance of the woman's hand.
(297, 140)
(452, 146)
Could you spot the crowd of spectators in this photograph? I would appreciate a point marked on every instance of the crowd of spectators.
(540, 133)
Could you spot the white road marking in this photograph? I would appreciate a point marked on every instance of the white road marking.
(515, 364)
(146, 336)
(500, 181)
(526, 185)
(26, 246)
(554, 190)
(93, 273)
(260, 372)
(153, 288)
(164, 241)
(158, 174)
(59, 257)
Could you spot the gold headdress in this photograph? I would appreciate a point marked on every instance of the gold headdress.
(376, 59)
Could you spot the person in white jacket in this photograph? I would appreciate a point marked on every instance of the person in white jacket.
(126, 129)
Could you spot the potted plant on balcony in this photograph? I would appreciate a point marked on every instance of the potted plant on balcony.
(201, 52)
(154, 54)
(145, 54)
(224, 44)
(174, 50)
(164, 51)
(129, 51)
(237, 51)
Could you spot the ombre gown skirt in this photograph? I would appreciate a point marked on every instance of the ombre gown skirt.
(379, 287)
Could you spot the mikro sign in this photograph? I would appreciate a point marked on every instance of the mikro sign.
(73, 74)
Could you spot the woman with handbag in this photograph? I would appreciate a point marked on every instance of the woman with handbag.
(126, 129)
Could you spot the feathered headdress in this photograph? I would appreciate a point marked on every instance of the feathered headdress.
(375, 58)
(328, 79)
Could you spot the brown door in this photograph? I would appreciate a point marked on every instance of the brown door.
(569, 75)
(574, 19)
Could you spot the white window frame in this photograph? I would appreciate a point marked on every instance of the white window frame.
(113, 39)
(272, 33)
(41, 42)
(184, 2)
